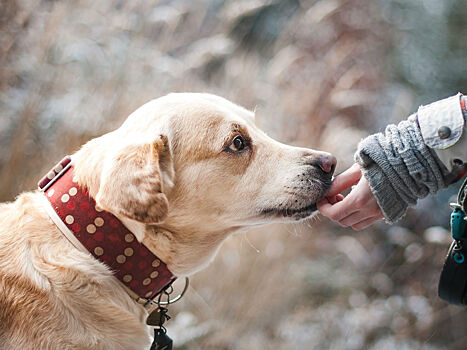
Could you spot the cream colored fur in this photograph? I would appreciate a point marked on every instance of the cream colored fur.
(171, 174)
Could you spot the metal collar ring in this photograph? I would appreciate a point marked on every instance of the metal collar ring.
(177, 298)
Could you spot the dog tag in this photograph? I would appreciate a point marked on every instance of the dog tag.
(156, 318)
(161, 340)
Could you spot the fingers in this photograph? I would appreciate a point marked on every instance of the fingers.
(335, 199)
(337, 211)
(358, 217)
(345, 180)
(366, 223)
(359, 209)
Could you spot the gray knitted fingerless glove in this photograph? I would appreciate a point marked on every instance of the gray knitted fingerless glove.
(400, 168)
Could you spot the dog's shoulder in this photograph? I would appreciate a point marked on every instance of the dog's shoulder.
(48, 285)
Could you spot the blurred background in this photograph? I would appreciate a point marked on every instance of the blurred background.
(320, 74)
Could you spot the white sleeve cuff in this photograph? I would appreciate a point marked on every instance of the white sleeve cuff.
(441, 122)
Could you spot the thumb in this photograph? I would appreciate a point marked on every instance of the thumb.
(344, 180)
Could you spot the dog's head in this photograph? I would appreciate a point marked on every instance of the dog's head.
(196, 166)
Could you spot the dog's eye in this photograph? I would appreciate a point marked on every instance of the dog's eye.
(238, 144)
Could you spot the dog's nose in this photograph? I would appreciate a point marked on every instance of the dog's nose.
(327, 162)
(323, 160)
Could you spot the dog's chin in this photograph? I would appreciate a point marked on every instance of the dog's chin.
(296, 214)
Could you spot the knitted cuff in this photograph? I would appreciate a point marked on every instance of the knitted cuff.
(391, 204)
(400, 168)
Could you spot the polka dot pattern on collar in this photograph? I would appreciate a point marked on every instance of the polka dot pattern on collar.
(105, 237)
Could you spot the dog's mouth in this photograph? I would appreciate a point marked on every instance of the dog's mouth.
(302, 212)
(293, 213)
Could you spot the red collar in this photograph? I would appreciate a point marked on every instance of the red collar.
(102, 234)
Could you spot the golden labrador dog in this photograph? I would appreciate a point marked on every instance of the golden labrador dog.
(182, 173)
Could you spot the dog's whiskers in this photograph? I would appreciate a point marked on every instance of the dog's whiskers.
(245, 237)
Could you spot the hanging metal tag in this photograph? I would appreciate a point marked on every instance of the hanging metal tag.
(156, 318)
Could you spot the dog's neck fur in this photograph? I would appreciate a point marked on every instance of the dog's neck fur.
(184, 253)
(176, 252)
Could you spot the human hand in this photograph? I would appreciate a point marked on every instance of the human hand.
(358, 209)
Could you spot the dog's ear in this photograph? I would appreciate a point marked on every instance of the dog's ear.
(131, 182)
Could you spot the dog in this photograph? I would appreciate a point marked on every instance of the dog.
(182, 173)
